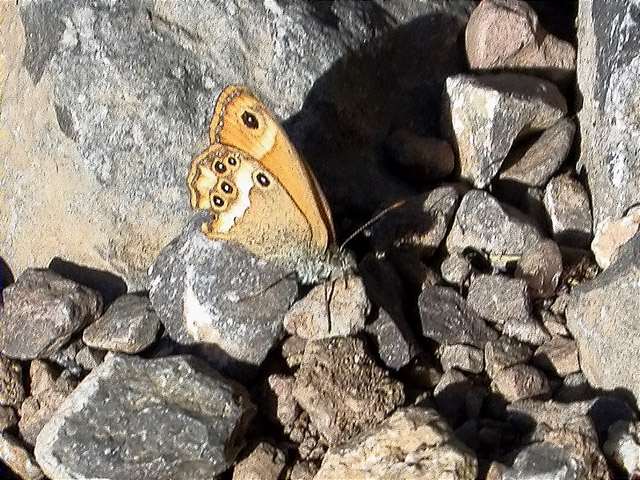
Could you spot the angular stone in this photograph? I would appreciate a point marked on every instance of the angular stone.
(42, 310)
(412, 444)
(498, 299)
(430, 159)
(567, 203)
(303, 471)
(176, 416)
(395, 342)
(541, 267)
(612, 234)
(559, 355)
(66, 357)
(8, 418)
(334, 308)
(456, 396)
(507, 35)
(520, 382)
(447, 319)
(485, 225)
(89, 358)
(623, 446)
(554, 324)
(11, 387)
(282, 406)
(528, 330)
(342, 389)
(486, 114)
(293, 350)
(503, 353)
(265, 462)
(602, 316)
(535, 163)
(129, 325)
(456, 269)
(462, 357)
(18, 459)
(217, 295)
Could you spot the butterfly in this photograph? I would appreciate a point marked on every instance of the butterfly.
(260, 193)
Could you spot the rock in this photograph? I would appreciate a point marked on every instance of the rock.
(282, 406)
(456, 269)
(311, 446)
(535, 162)
(302, 471)
(612, 234)
(462, 357)
(496, 471)
(217, 295)
(559, 355)
(608, 79)
(48, 391)
(505, 352)
(623, 446)
(18, 459)
(421, 222)
(11, 387)
(554, 324)
(42, 310)
(574, 388)
(520, 382)
(412, 444)
(395, 342)
(342, 390)
(423, 373)
(89, 358)
(528, 330)
(451, 394)
(486, 114)
(293, 350)
(265, 462)
(430, 159)
(8, 418)
(140, 401)
(334, 308)
(68, 70)
(541, 267)
(568, 206)
(499, 299)
(507, 35)
(129, 325)
(66, 357)
(447, 319)
(602, 317)
(485, 225)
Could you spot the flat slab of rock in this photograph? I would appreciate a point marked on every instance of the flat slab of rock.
(42, 310)
(486, 114)
(498, 299)
(167, 418)
(412, 444)
(129, 326)
(217, 295)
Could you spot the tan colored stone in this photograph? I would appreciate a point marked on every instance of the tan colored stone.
(17, 458)
(265, 462)
(611, 234)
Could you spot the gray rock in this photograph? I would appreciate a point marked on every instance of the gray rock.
(219, 296)
(498, 299)
(18, 459)
(342, 389)
(11, 388)
(41, 312)
(451, 394)
(568, 206)
(265, 462)
(129, 92)
(486, 114)
(609, 82)
(505, 352)
(395, 342)
(412, 444)
(462, 357)
(129, 325)
(89, 358)
(534, 163)
(8, 418)
(281, 405)
(623, 446)
(554, 324)
(447, 319)
(541, 267)
(527, 329)
(430, 159)
(520, 382)
(292, 350)
(559, 355)
(66, 357)
(485, 225)
(166, 418)
(456, 269)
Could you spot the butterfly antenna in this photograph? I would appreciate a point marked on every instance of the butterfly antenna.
(370, 222)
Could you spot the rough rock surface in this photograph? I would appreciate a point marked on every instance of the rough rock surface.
(568, 206)
(411, 444)
(395, 343)
(129, 325)
(541, 267)
(462, 357)
(265, 462)
(559, 355)
(218, 295)
(167, 418)
(505, 352)
(506, 34)
(623, 446)
(520, 382)
(42, 310)
(486, 114)
(498, 299)
(342, 389)
(456, 269)
(11, 387)
(18, 459)
(613, 234)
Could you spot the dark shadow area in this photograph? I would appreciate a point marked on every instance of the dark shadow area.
(109, 285)
(6, 275)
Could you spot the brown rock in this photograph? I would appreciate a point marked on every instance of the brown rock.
(559, 355)
(506, 34)
(284, 407)
(541, 267)
(293, 350)
(265, 462)
(431, 158)
(503, 353)
(462, 357)
(611, 234)
(18, 459)
(11, 388)
(302, 471)
(520, 382)
(8, 418)
(567, 203)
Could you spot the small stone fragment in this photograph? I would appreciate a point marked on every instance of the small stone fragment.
(18, 459)
(265, 462)
(541, 267)
(89, 358)
(342, 389)
(283, 406)
(430, 158)
(485, 225)
(499, 299)
(412, 444)
(11, 388)
(293, 350)
(129, 325)
(485, 114)
(334, 308)
(462, 357)
(396, 344)
(66, 357)
(559, 355)
(505, 352)
(568, 206)
(456, 269)
(302, 471)
(179, 417)
(554, 324)
(521, 381)
(611, 234)
(623, 446)
(448, 320)
(8, 418)
(507, 35)
(42, 310)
